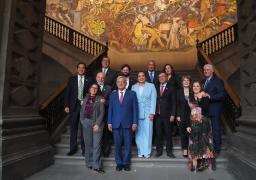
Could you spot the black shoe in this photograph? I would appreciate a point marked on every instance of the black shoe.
(119, 168)
(158, 155)
(70, 153)
(89, 167)
(185, 156)
(127, 168)
(101, 171)
(170, 154)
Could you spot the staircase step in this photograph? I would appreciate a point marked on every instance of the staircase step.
(163, 161)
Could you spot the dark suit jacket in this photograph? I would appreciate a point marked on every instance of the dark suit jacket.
(106, 91)
(215, 88)
(71, 91)
(183, 109)
(125, 114)
(166, 102)
(110, 78)
(174, 81)
(155, 80)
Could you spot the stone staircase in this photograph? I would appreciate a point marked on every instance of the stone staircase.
(164, 161)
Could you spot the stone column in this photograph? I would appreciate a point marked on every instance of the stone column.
(25, 145)
(243, 143)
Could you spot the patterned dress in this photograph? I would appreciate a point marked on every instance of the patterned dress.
(200, 140)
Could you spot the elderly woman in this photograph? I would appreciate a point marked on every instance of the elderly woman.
(146, 95)
(200, 138)
(91, 117)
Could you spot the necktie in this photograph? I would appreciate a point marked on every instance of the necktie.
(81, 88)
(206, 83)
(121, 97)
(161, 90)
(104, 70)
(151, 76)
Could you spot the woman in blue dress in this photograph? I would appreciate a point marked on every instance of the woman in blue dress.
(146, 94)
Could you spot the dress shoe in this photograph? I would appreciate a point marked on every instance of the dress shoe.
(170, 154)
(89, 167)
(101, 171)
(185, 155)
(70, 153)
(119, 168)
(127, 168)
(158, 155)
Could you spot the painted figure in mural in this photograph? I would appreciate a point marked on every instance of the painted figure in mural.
(173, 36)
(205, 6)
(146, 95)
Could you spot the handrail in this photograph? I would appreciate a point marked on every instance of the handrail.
(73, 37)
(220, 40)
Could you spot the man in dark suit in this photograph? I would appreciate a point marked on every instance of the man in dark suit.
(166, 110)
(107, 136)
(75, 91)
(214, 87)
(125, 71)
(122, 120)
(151, 74)
(110, 74)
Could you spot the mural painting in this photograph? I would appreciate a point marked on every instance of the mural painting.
(145, 25)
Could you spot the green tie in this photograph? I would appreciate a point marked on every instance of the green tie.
(81, 88)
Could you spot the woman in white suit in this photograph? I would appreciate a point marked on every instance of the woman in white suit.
(146, 95)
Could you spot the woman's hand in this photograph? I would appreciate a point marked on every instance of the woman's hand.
(178, 119)
(96, 128)
(151, 117)
(189, 129)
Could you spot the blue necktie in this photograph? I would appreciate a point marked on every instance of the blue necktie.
(151, 76)
(206, 83)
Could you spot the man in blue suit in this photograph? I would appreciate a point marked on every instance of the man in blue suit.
(122, 120)
(214, 87)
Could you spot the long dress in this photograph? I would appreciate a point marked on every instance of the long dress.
(200, 139)
(147, 105)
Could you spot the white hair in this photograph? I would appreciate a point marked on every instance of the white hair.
(121, 77)
(210, 66)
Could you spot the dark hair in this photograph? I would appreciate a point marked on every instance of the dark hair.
(104, 58)
(99, 93)
(126, 65)
(170, 66)
(198, 83)
(80, 64)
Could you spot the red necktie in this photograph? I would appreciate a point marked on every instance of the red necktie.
(121, 97)
(161, 90)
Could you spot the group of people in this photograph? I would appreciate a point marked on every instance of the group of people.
(113, 106)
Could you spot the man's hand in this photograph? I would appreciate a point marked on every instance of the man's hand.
(151, 117)
(134, 127)
(178, 119)
(189, 129)
(110, 127)
(171, 118)
(66, 109)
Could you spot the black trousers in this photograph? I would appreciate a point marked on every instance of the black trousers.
(183, 135)
(163, 128)
(74, 120)
(107, 139)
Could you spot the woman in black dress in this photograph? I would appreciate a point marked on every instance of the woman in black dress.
(200, 138)
(183, 112)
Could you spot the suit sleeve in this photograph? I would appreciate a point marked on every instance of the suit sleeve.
(110, 109)
(179, 104)
(135, 108)
(221, 94)
(153, 100)
(67, 94)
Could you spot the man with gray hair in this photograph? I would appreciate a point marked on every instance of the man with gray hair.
(214, 87)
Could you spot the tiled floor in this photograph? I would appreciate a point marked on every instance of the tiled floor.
(78, 172)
